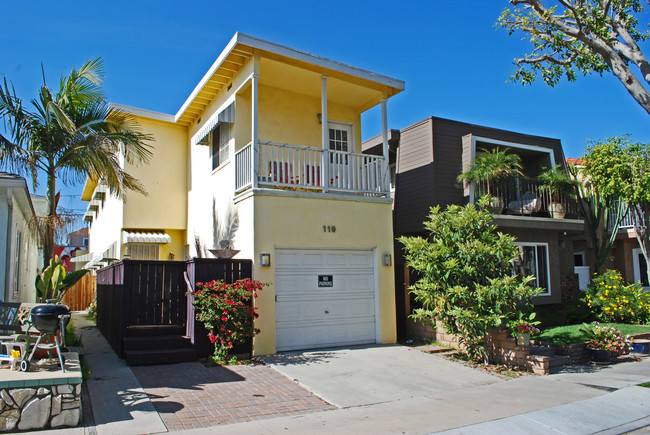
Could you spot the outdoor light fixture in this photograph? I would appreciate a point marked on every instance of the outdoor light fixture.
(387, 260)
(265, 260)
(320, 118)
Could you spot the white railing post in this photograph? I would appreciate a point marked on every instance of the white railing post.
(384, 136)
(325, 136)
(254, 144)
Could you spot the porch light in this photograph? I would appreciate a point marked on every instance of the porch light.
(320, 118)
(387, 260)
(265, 260)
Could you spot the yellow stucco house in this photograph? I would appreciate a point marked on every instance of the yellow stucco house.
(269, 144)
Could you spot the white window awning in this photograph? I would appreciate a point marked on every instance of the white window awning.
(226, 115)
(146, 237)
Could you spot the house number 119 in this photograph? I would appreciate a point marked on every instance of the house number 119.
(329, 229)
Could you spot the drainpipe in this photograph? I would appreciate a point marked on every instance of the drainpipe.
(10, 223)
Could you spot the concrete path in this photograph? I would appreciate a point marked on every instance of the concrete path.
(119, 404)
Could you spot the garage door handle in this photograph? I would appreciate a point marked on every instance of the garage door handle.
(327, 312)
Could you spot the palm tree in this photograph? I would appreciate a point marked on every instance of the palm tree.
(490, 166)
(70, 135)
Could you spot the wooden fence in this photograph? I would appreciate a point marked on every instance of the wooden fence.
(139, 293)
(80, 295)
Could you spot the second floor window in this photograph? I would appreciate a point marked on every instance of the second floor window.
(220, 144)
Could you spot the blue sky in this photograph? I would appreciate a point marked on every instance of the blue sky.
(454, 61)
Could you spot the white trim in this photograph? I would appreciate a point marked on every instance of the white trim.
(548, 263)
(636, 252)
(384, 139)
(351, 142)
(324, 133)
(143, 112)
(505, 144)
(511, 145)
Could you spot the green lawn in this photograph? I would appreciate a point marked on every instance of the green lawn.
(570, 334)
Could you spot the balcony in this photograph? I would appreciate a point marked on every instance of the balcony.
(299, 168)
(628, 222)
(525, 197)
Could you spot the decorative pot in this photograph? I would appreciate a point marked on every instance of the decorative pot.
(600, 356)
(523, 339)
(556, 210)
(641, 346)
(224, 253)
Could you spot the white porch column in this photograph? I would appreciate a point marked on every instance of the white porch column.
(254, 146)
(325, 136)
(384, 136)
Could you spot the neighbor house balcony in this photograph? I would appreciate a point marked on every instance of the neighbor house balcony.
(525, 197)
(628, 222)
(299, 168)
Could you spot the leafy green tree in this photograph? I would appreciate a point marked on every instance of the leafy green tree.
(466, 270)
(619, 170)
(602, 217)
(70, 134)
(581, 36)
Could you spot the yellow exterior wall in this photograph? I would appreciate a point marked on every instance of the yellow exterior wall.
(288, 117)
(290, 222)
(164, 178)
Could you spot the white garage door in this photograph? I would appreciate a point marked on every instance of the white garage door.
(324, 298)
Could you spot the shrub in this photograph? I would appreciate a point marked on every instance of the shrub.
(227, 311)
(466, 275)
(612, 300)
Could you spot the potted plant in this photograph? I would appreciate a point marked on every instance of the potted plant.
(490, 166)
(604, 342)
(559, 184)
(523, 328)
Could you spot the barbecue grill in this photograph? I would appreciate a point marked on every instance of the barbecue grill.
(49, 320)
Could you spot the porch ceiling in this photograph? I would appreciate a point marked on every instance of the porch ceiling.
(306, 80)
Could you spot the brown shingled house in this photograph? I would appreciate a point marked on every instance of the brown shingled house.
(426, 159)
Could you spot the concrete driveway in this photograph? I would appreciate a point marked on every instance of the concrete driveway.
(369, 375)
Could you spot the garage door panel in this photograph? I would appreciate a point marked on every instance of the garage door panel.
(322, 335)
(309, 316)
(306, 311)
(308, 282)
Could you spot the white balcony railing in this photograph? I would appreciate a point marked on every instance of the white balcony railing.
(628, 221)
(314, 169)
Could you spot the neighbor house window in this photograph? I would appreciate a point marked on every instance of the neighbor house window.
(144, 251)
(533, 260)
(220, 144)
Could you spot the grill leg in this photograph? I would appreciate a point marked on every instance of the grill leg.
(58, 351)
(40, 337)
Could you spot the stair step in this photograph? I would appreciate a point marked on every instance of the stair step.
(156, 342)
(559, 360)
(154, 330)
(542, 350)
(159, 356)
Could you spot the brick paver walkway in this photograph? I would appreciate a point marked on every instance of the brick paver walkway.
(190, 395)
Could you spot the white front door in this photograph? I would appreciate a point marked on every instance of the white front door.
(324, 298)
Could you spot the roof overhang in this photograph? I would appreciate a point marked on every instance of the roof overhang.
(240, 50)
